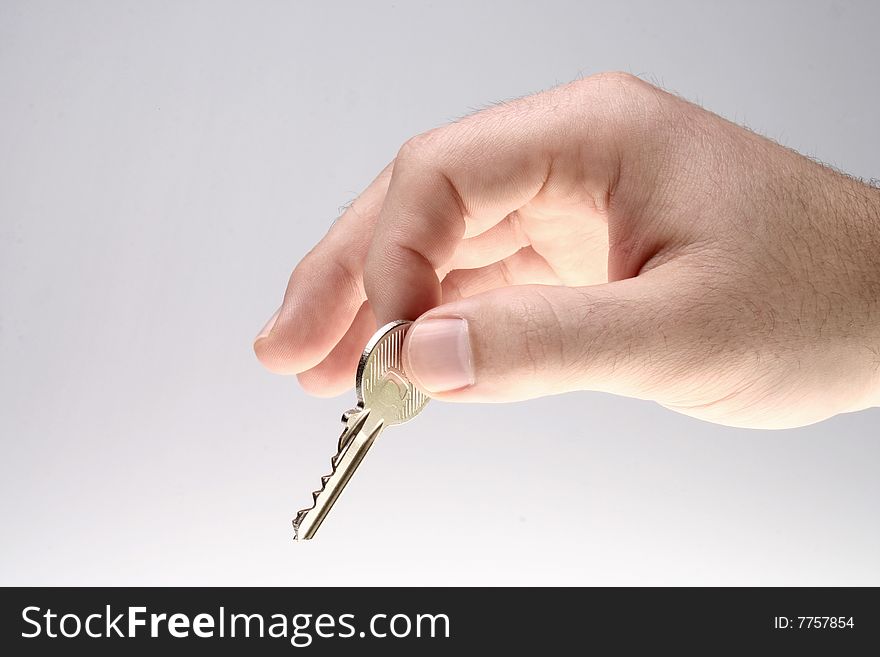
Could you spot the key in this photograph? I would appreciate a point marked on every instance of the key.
(385, 398)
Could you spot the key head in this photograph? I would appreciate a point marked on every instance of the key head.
(382, 386)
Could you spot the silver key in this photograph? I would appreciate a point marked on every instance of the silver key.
(385, 397)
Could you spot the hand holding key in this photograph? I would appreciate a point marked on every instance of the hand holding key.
(603, 235)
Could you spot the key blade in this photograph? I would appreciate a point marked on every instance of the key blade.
(356, 440)
(354, 421)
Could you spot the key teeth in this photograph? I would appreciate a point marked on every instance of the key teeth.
(297, 522)
(302, 513)
(354, 419)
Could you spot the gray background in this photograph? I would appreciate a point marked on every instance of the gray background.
(162, 168)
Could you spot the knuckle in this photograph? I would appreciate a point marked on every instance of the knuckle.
(452, 287)
(309, 262)
(349, 280)
(619, 83)
(318, 262)
(541, 343)
(418, 150)
(619, 78)
(627, 105)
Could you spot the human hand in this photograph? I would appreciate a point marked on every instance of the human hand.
(603, 235)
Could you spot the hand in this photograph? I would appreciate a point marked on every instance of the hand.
(603, 235)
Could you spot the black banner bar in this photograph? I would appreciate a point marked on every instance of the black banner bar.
(429, 621)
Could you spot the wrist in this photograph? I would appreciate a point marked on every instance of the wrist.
(848, 212)
(872, 290)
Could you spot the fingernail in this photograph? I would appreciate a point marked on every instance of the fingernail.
(439, 354)
(264, 332)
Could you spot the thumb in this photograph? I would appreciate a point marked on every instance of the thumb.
(527, 341)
